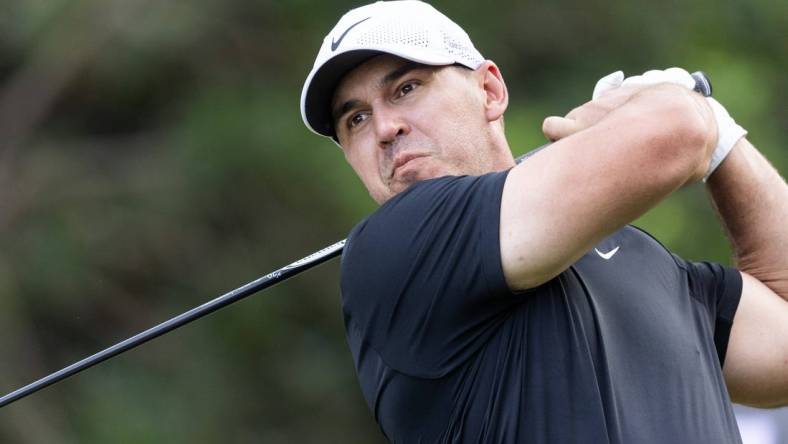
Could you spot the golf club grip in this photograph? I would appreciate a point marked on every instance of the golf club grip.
(702, 85)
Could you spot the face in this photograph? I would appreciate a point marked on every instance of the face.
(400, 122)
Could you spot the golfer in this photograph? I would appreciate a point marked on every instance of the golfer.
(493, 302)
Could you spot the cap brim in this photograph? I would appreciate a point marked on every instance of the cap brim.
(320, 86)
(316, 102)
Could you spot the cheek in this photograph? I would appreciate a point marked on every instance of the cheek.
(453, 116)
(454, 128)
(365, 165)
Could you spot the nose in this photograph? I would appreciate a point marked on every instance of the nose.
(389, 125)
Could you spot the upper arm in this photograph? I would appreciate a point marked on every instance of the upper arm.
(756, 364)
(558, 204)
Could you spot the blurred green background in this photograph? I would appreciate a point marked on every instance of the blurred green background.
(152, 157)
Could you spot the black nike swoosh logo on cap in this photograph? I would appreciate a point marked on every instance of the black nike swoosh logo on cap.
(335, 44)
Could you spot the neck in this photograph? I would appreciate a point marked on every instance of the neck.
(502, 154)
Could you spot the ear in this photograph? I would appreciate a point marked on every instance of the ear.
(496, 97)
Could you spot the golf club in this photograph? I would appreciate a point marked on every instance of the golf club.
(702, 85)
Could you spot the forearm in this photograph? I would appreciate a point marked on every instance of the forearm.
(608, 172)
(752, 201)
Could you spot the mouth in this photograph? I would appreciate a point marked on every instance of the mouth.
(402, 159)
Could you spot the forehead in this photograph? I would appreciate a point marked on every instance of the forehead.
(370, 74)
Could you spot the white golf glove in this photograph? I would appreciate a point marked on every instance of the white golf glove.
(607, 83)
(729, 132)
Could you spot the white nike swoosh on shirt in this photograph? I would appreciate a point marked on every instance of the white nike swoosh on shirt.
(608, 255)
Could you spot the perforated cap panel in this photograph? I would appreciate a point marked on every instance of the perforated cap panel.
(410, 29)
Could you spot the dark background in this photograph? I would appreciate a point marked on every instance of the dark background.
(152, 157)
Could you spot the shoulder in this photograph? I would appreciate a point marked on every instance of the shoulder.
(435, 203)
(715, 285)
(435, 245)
(442, 192)
(648, 250)
(632, 246)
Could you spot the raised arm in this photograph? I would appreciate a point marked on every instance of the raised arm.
(752, 201)
(617, 157)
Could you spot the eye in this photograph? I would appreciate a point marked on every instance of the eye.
(406, 88)
(356, 119)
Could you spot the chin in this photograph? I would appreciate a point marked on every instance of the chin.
(407, 176)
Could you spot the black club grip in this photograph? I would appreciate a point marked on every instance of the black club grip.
(702, 83)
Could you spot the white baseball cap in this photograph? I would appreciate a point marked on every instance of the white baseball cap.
(410, 29)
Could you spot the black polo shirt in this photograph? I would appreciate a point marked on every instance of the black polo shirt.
(625, 346)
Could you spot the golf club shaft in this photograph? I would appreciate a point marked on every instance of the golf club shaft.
(195, 313)
(703, 86)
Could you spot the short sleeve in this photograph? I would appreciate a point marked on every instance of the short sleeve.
(422, 281)
(718, 288)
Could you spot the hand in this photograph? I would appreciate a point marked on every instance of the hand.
(607, 83)
(588, 114)
(729, 132)
(610, 92)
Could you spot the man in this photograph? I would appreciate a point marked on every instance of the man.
(488, 302)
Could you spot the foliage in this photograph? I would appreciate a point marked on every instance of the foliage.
(153, 157)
